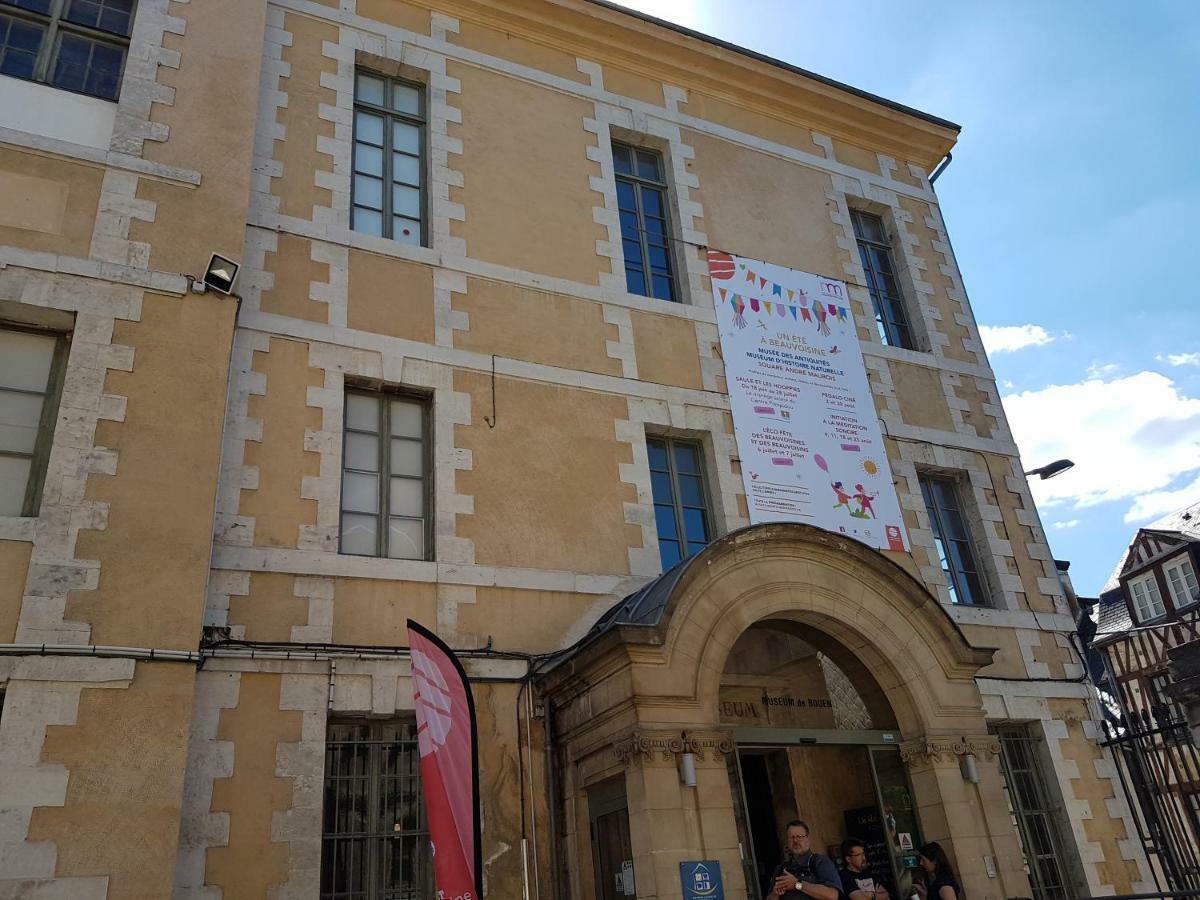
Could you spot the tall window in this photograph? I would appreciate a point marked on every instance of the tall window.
(680, 500)
(952, 538)
(1147, 601)
(389, 168)
(31, 364)
(77, 45)
(645, 225)
(876, 254)
(1036, 815)
(385, 481)
(375, 839)
(1181, 580)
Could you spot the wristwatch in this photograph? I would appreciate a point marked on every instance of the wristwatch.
(800, 885)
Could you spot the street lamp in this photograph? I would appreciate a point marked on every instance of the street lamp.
(1051, 469)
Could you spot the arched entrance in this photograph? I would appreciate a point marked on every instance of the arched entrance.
(646, 688)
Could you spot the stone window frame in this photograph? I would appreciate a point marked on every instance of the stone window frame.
(51, 399)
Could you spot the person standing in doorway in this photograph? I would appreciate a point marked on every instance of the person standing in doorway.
(943, 885)
(803, 875)
(857, 881)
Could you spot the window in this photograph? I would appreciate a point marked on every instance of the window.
(1036, 815)
(953, 541)
(645, 225)
(385, 483)
(375, 838)
(680, 504)
(31, 364)
(876, 255)
(1147, 601)
(1181, 580)
(1166, 710)
(77, 45)
(389, 154)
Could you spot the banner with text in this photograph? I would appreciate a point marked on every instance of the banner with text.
(803, 416)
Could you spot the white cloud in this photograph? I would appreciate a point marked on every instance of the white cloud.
(1071, 523)
(1100, 370)
(1179, 359)
(1010, 338)
(1130, 438)
(1158, 503)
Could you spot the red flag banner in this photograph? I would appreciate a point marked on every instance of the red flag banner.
(449, 764)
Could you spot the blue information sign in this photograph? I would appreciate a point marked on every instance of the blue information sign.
(701, 880)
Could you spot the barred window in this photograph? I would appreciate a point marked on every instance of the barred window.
(645, 223)
(891, 318)
(389, 158)
(76, 45)
(375, 837)
(385, 476)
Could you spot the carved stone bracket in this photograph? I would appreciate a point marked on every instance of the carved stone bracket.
(669, 744)
(920, 751)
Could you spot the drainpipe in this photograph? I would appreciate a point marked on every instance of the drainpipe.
(942, 167)
(551, 795)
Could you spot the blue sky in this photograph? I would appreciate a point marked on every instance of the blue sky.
(1073, 203)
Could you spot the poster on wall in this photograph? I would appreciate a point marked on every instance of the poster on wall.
(805, 423)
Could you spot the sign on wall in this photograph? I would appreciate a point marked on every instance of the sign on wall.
(805, 423)
(701, 880)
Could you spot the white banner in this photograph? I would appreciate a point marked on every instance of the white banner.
(803, 416)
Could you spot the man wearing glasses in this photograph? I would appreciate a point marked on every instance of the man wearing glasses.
(803, 875)
(857, 881)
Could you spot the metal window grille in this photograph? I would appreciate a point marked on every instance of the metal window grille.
(953, 541)
(645, 222)
(31, 372)
(681, 508)
(375, 837)
(76, 45)
(385, 509)
(1035, 813)
(875, 251)
(388, 193)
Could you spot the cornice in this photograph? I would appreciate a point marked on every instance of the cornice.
(643, 745)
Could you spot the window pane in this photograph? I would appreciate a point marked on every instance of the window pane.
(694, 525)
(368, 160)
(406, 168)
(369, 89)
(658, 259)
(368, 221)
(664, 521)
(663, 289)
(648, 165)
(657, 452)
(107, 15)
(362, 412)
(406, 231)
(406, 99)
(407, 497)
(19, 418)
(42, 6)
(406, 201)
(86, 65)
(661, 484)
(359, 534)
(360, 493)
(406, 137)
(630, 228)
(635, 281)
(406, 539)
(869, 227)
(622, 163)
(19, 45)
(104, 76)
(627, 197)
(408, 419)
(362, 452)
(691, 493)
(25, 360)
(686, 458)
(652, 202)
(633, 253)
(368, 128)
(368, 192)
(408, 457)
(669, 551)
(14, 476)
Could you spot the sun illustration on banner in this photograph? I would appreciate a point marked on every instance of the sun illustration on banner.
(870, 467)
(432, 700)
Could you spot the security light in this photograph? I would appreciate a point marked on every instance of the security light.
(1051, 469)
(221, 274)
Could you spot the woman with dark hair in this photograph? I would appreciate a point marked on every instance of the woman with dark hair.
(943, 885)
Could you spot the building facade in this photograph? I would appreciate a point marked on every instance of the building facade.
(472, 376)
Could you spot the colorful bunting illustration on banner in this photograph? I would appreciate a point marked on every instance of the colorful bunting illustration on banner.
(722, 267)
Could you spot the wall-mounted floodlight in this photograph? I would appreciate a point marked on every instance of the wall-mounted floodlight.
(1051, 469)
(221, 274)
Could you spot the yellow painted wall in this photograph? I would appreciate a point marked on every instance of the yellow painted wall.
(390, 296)
(292, 269)
(526, 189)
(14, 567)
(373, 612)
(513, 48)
(49, 204)
(667, 352)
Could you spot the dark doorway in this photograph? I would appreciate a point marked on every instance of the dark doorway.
(760, 815)
(612, 851)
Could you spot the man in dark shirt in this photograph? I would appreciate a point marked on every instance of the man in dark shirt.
(857, 881)
(803, 875)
